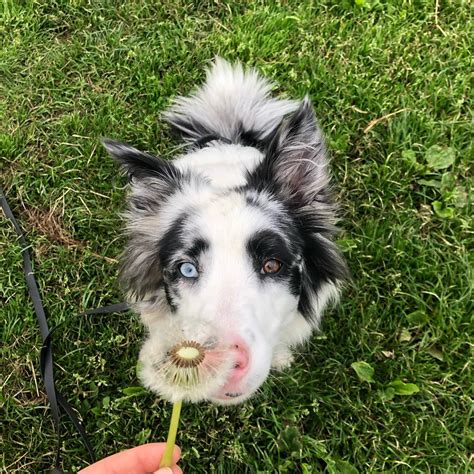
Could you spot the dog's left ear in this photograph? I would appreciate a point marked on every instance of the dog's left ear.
(295, 165)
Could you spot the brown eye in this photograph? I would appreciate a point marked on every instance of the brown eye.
(271, 266)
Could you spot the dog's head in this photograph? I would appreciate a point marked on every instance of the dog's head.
(246, 270)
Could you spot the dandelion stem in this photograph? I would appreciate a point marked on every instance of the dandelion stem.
(167, 459)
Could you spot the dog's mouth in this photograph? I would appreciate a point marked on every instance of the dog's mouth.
(229, 398)
(231, 393)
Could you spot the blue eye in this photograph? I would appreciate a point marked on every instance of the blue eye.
(188, 270)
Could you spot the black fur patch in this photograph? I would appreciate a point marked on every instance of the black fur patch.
(172, 241)
(323, 263)
(253, 138)
(170, 244)
(197, 248)
(170, 299)
(190, 128)
(267, 244)
(262, 178)
(295, 281)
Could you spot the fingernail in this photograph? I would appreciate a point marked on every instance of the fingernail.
(164, 470)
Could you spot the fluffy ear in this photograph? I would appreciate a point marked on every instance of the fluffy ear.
(295, 170)
(295, 162)
(153, 179)
(139, 164)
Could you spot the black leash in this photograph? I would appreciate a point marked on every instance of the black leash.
(57, 402)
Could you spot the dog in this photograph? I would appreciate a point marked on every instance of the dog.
(230, 244)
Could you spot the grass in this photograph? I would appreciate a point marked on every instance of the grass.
(75, 71)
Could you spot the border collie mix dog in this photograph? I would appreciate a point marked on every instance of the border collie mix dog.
(231, 244)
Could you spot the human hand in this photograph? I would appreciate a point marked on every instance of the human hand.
(140, 460)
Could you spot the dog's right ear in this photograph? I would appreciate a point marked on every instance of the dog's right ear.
(152, 179)
(138, 164)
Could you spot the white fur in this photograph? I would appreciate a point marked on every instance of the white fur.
(224, 165)
(232, 96)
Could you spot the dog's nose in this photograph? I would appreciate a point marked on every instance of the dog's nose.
(241, 355)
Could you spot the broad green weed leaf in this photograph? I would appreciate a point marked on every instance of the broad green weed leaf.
(134, 390)
(442, 211)
(417, 318)
(290, 440)
(434, 183)
(106, 402)
(387, 394)
(409, 157)
(364, 371)
(439, 158)
(402, 388)
(460, 197)
(306, 468)
(448, 181)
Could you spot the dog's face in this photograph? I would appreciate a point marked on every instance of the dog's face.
(246, 271)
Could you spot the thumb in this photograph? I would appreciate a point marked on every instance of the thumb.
(164, 470)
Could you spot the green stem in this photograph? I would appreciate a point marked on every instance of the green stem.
(167, 459)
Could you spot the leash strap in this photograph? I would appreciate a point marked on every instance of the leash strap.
(56, 400)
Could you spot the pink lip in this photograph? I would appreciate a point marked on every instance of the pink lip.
(233, 387)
